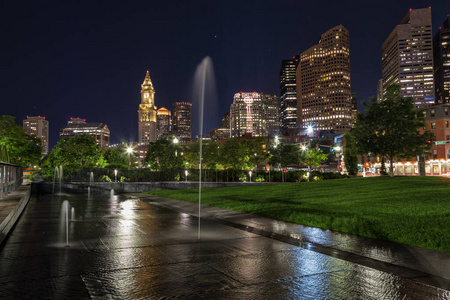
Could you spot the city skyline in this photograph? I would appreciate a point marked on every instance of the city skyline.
(67, 60)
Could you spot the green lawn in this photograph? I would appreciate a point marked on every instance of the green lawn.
(409, 210)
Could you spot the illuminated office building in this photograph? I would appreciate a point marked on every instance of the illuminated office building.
(99, 131)
(39, 127)
(147, 112)
(163, 123)
(247, 115)
(324, 97)
(288, 94)
(271, 114)
(182, 121)
(407, 57)
(441, 44)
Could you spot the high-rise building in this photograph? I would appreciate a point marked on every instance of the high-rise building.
(247, 115)
(226, 120)
(147, 112)
(380, 90)
(222, 132)
(441, 45)
(182, 121)
(163, 123)
(354, 105)
(288, 94)
(39, 127)
(271, 114)
(407, 57)
(99, 131)
(324, 99)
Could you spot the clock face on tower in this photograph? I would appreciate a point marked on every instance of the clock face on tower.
(146, 95)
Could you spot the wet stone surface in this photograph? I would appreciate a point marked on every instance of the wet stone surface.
(123, 248)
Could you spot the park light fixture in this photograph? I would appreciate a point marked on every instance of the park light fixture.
(304, 148)
(175, 140)
(250, 174)
(115, 175)
(337, 148)
(129, 151)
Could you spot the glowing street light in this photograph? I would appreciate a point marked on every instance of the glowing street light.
(250, 174)
(115, 175)
(129, 150)
(186, 174)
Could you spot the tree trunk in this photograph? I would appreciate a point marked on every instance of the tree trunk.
(391, 166)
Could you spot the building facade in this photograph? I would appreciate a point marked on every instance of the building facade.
(163, 123)
(99, 131)
(407, 57)
(182, 121)
(38, 126)
(324, 99)
(441, 48)
(288, 94)
(147, 112)
(271, 114)
(247, 115)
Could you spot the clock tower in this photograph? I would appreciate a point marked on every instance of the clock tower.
(147, 112)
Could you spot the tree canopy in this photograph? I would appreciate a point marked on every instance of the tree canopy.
(23, 149)
(392, 128)
(163, 154)
(76, 152)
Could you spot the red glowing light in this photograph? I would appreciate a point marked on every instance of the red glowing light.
(84, 120)
(293, 57)
(410, 9)
(429, 7)
(71, 118)
(440, 28)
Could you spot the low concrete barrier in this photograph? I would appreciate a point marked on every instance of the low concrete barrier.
(137, 187)
(10, 220)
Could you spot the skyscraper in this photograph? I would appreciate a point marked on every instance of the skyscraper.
(163, 123)
(99, 131)
(441, 45)
(271, 114)
(182, 121)
(39, 127)
(247, 115)
(288, 94)
(147, 112)
(407, 57)
(324, 99)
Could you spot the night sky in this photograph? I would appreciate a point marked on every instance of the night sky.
(62, 59)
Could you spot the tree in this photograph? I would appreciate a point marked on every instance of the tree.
(163, 154)
(23, 149)
(116, 157)
(284, 155)
(313, 158)
(76, 152)
(392, 128)
(242, 154)
(350, 154)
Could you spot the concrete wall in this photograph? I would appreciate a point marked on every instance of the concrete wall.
(137, 187)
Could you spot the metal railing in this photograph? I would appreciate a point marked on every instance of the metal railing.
(11, 177)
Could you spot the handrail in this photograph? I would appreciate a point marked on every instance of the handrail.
(11, 177)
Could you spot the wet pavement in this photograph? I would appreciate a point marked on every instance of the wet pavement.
(146, 247)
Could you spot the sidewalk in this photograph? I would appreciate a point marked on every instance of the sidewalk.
(417, 264)
(11, 207)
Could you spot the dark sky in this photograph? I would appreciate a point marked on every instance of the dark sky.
(62, 59)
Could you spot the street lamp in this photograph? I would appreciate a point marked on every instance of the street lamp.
(129, 150)
(115, 175)
(186, 174)
(250, 173)
(175, 141)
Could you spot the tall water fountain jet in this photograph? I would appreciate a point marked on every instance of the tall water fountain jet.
(64, 222)
(57, 175)
(203, 74)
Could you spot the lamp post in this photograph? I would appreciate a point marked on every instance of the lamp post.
(186, 174)
(115, 175)
(250, 174)
(129, 150)
(175, 141)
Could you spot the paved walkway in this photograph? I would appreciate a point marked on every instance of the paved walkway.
(141, 246)
(10, 209)
(418, 264)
